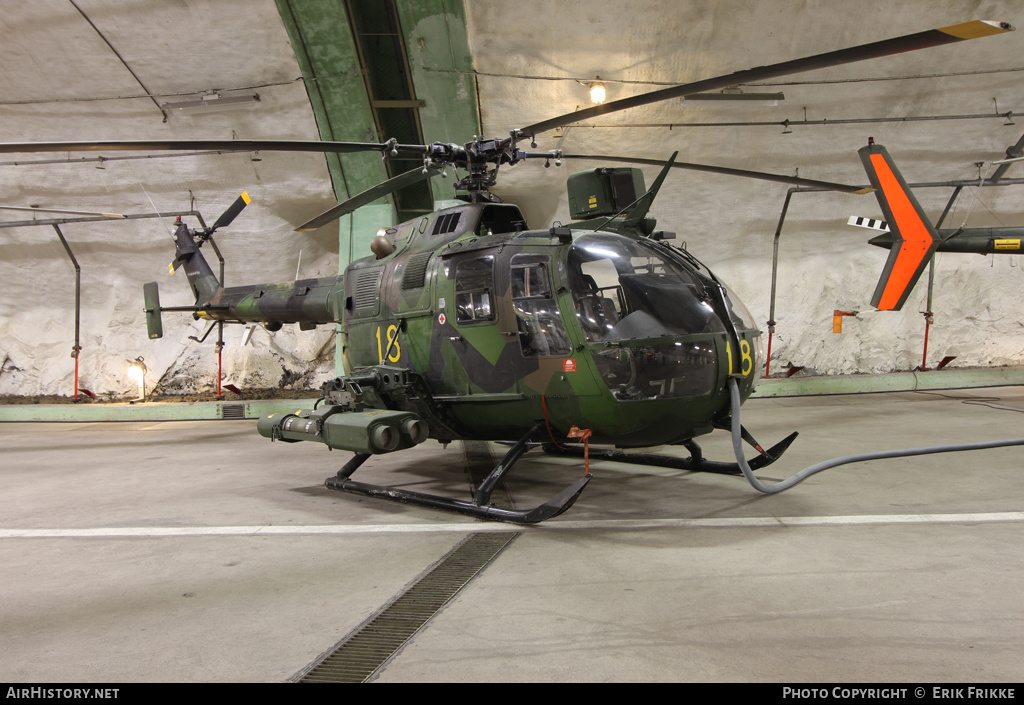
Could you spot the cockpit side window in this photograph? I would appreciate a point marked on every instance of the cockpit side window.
(539, 324)
(474, 284)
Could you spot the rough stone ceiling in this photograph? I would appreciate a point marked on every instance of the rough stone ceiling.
(61, 80)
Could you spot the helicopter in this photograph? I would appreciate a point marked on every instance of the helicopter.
(467, 324)
(909, 235)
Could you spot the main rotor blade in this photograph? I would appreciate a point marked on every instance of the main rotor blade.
(211, 145)
(727, 171)
(370, 195)
(910, 42)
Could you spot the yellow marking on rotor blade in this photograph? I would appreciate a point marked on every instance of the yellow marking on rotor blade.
(862, 191)
(1007, 244)
(245, 197)
(170, 269)
(976, 28)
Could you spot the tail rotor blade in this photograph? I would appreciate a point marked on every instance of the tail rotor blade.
(232, 212)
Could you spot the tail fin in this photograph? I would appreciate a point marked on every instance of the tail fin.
(914, 236)
(201, 278)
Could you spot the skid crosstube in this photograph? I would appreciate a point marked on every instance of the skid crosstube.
(481, 508)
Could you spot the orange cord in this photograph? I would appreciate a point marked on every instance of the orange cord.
(574, 432)
(585, 435)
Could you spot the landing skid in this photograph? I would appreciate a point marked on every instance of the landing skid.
(482, 507)
(696, 462)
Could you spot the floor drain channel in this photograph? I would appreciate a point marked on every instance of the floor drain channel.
(371, 645)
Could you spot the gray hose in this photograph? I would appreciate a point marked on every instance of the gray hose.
(737, 445)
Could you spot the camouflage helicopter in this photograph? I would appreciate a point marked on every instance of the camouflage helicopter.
(466, 324)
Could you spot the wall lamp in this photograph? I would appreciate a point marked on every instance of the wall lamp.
(137, 372)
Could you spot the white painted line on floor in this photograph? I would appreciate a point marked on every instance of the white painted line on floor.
(473, 527)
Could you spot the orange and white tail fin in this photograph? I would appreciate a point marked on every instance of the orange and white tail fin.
(914, 236)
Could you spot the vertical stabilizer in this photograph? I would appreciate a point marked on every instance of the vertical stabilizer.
(914, 237)
(201, 278)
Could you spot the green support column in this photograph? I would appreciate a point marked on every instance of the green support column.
(322, 39)
(438, 49)
(437, 41)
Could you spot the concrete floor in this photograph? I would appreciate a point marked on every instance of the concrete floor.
(197, 551)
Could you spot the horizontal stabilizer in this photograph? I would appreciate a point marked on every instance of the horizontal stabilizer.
(151, 294)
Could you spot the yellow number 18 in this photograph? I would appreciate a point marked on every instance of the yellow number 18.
(395, 353)
(746, 358)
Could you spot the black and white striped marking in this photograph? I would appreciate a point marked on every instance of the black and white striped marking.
(871, 223)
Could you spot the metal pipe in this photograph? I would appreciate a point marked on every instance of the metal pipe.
(1011, 153)
(78, 303)
(928, 315)
(92, 219)
(220, 324)
(121, 59)
(775, 269)
(102, 160)
(928, 184)
(799, 123)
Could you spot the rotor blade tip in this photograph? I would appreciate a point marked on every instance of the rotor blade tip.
(976, 29)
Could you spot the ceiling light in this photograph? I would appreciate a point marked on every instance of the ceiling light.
(770, 99)
(597, 92)
(213, 100)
